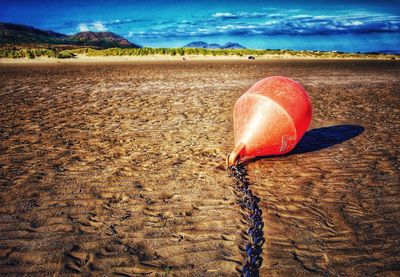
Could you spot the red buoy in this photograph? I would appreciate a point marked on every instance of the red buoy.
(270, 118)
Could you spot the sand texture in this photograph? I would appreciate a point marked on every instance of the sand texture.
(118, 169)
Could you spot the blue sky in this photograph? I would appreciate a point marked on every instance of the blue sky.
(300, 25)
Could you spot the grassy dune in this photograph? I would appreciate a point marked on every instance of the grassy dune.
(90, 52)
(32, 53)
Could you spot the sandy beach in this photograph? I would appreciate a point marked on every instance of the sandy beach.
(82, 58)
(114, 167)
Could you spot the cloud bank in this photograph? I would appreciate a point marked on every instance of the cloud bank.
(292, 28)
(272, 24)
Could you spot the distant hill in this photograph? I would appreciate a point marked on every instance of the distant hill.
(18, 34)
(205, 45)
(23, 34)
(101, 39)
(196, 44)
(232, 45)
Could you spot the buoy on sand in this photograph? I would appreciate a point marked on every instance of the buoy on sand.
(270, 119)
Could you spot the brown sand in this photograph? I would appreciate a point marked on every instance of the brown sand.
(118, 168)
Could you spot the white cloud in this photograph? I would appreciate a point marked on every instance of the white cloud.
(303, 16)
(96, 26)
(83, 27)
(356, 22)
(227, 15)
(275, 15)
(99, 27)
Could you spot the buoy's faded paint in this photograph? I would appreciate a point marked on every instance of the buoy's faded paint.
(270, 118)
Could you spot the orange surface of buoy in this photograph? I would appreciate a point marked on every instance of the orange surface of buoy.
(270, 118)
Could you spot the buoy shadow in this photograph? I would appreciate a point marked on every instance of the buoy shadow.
(320, 138)
(325, 137)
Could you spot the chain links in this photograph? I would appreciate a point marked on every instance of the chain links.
(249, 202)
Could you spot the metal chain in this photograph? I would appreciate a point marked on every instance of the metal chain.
(249, 202)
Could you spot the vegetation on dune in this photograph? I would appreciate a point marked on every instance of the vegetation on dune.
(36, 52)
(225, 52)
(56, 53)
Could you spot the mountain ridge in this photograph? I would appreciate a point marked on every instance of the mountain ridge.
(19, 34)
(205, 45)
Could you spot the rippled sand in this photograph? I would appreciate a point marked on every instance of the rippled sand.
(118, 168)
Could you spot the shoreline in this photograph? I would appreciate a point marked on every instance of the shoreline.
(163, 58)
